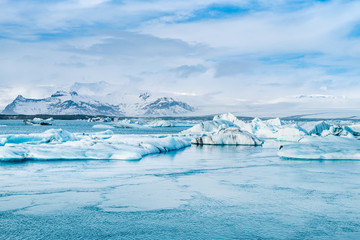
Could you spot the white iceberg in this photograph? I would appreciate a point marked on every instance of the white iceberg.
(269, 129)
(231, 118)
(229, 136)
(209, 127)
(49, 136)
(320, 128)
(103, 126)
(170, 123)
(127, 123)
(161, 123)
(290, 132)
(58, 144)
(322, 148)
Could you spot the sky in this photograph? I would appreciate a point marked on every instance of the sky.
(257, 57)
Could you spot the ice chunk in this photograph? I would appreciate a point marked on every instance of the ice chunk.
(291, 132)
(231, 118)
(102, 126)
(318, 148)
(127, 123)
(170, 123)
(209, 127)
(162, 123)
(49, 136)
(275, 122)
(59, 144)
(320, 128)
(261, 129)
(229, 136)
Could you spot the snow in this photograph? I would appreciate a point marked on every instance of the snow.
(322, 148)
(60, 144)
(229, 136)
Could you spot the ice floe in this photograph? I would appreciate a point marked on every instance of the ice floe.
(229, 136)
(103, 126)
(322, 148)
(127, 123)
(209, 127)
(59, 144)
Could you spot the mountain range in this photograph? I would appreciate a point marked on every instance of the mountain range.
(72, 103)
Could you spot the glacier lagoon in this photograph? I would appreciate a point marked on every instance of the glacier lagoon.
(198, 192)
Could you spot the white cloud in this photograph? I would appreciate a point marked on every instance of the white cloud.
(239, 61)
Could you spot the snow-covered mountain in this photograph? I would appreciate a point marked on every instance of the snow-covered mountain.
(166, 106)
(61, 103)
(71, 103)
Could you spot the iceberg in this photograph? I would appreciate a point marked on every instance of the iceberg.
(170, 123)
(161, 123)
(231, 118)
(127, 123)
(320, 128)
(209, 127)
(229, 136)
(322, 148)
(269, 129)
(291, 133)
(103, 126)
(49, 136)
(59, 144)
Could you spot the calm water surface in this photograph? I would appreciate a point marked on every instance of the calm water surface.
(196, 193)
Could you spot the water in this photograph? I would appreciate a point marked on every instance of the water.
(207, 192)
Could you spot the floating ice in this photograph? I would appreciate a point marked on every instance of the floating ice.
(290, 132)
(229, 136)
(318, 148)
(170, 123)
(59, 144)
(209, 127)
(103, 126)
(269, 129)
(320, 128)
(231, 118)
(127, 123)
(49, 136)
(161, 123)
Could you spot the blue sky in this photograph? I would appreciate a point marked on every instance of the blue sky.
(245, 56)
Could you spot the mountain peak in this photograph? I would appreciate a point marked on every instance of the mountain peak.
(19, 97)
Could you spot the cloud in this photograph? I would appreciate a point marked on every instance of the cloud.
(186, 71)
(253, 51)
